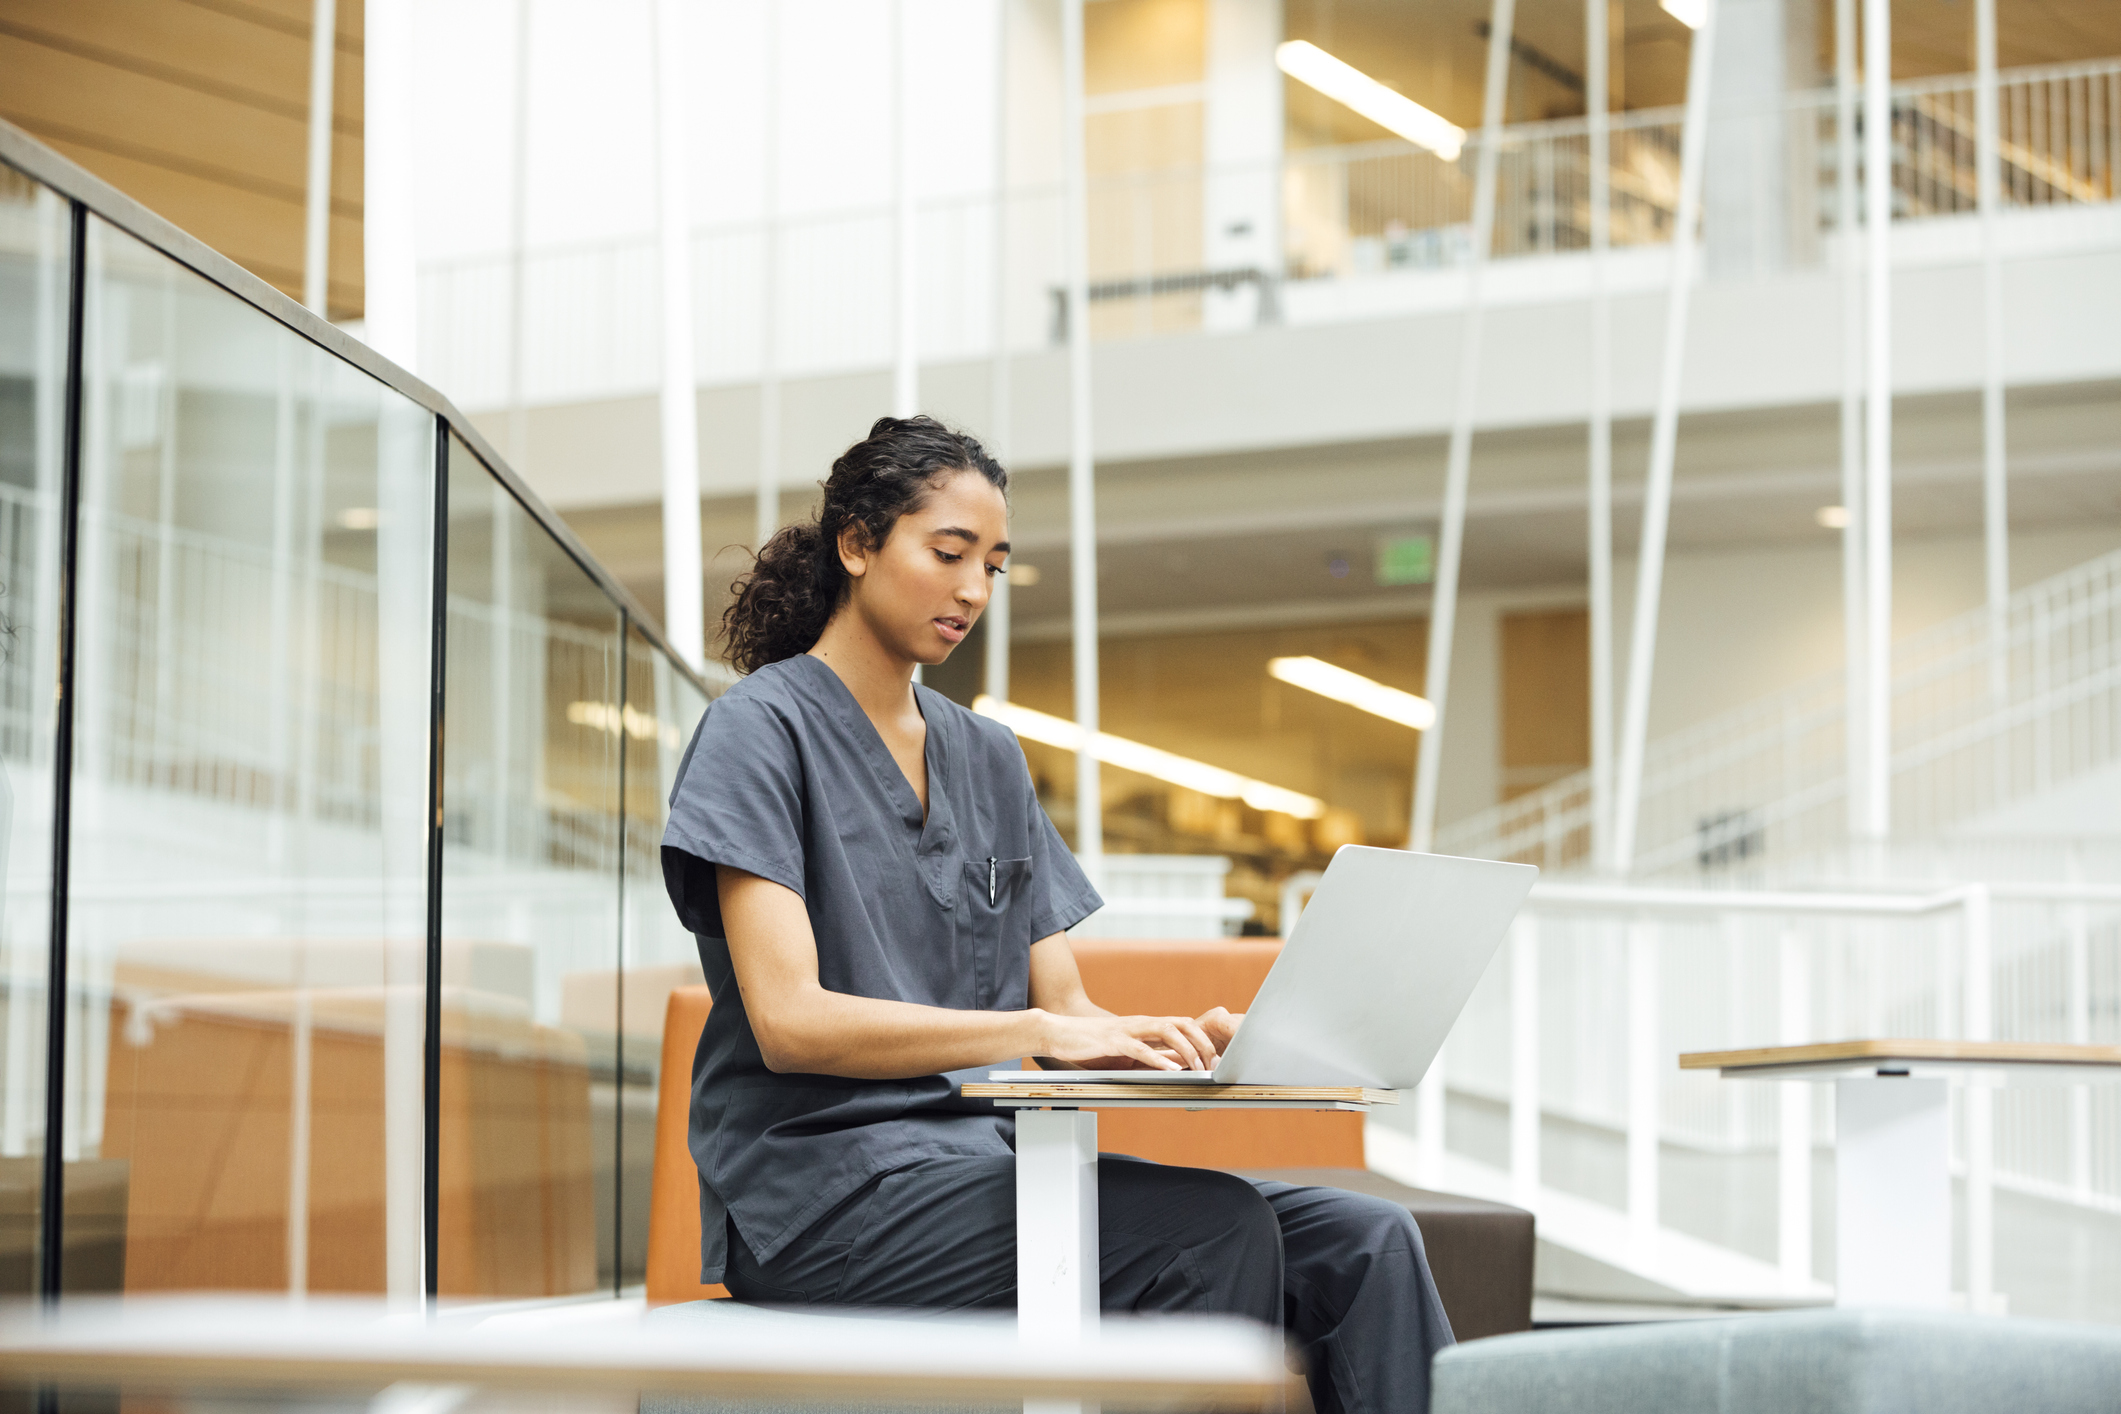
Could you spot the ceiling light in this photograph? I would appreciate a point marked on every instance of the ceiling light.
(360, 518)
(1149, 761)
(1690, 13)
(1317, 675)
(1023, 576)
(612, 718)
(1344, 83)
(1832, 517)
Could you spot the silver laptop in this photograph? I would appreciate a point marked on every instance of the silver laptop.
(1371, 980)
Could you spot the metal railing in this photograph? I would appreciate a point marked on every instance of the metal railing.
(990, 263)
(1765, 787)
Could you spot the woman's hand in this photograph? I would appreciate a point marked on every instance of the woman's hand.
(1220, 1026)
(1129, 1042)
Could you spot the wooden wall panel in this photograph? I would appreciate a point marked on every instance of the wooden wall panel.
(198, 109)
(1546, 698)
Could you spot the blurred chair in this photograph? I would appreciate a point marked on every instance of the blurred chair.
(1480, 1252)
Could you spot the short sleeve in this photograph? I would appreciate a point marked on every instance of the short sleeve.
(1064, 895)
(738, 801)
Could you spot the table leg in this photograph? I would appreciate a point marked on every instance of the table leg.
(1056, 1232)
(1893, 1192)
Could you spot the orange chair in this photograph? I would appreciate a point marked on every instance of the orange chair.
(1481, 1253)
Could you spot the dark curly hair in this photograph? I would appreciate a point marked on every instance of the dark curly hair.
(795, 582)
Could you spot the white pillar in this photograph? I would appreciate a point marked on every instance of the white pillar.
(1597, 66)
(906, 368)
(1056, 1223)
(1878, 419)
(995, 641)
(1082, 471)
(1892, 1193)
(1995, 507)
(1664, 439)
(1645, 1062)
(390, 251)
(316, 221)
(1848, 231)
(1443, 612)
(767, 513)
(684, 592)
(1793, 1179)
(1241, 150)
(519, 243)
(1977, 994)
(1524, 1061)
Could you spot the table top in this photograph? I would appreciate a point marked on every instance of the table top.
(730, 1351)
(1107, 1095)
(1993, 1062)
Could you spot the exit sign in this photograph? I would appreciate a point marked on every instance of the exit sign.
(1409, 560)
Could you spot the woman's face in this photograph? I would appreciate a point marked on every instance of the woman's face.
(921, 591)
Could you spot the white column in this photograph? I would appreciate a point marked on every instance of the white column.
(1645, 1063)
(684, 591)
(1431, 1106)
(316, 217)
(1664, 438)
(1995, 519)
(906, 368)
(1082, 471)
(767, 512)
(1597, 66)
(1979, 1025)
(1848, 231)
(1056, 1223)
(1443, 612)
(519, 243)
(995, 641)
(1241, 142)
(1893, 1193)
(1878, 419)
(389, 247)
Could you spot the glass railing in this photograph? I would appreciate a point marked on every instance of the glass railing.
(334, 775)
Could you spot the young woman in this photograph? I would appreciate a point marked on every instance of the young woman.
(881, 908)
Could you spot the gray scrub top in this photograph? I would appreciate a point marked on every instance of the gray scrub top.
(787, 778)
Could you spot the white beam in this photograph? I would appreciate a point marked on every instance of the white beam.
(390, 277)
(518, 241)
(1878, 419)
(1995, 507)
(316, 223)
(1082, 470)
(1664, 441)
(1597, 67)
(684, 609)
(906, 368)
(1848, 232)
(767, 514)
(1443, 613)
(995, 641)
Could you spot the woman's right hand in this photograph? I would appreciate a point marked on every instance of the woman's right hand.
(1129, 1042)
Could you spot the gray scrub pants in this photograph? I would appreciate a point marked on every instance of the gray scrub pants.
(1343, 1273)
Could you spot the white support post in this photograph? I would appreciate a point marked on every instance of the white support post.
(1794, 1149)
(906, 366)
(1443, 612)
(995, 642)
(766, 512)
(518, 244)
(684, 589)
(1995, 518)
(1878, 419)
(1431, 1100)
(1664, 440)
(1643, 1076)
(1056, 1224)
(1082, 469)
(316, 218)
(1524, 1062)
(2077, 928)
(1979, 1025)
(1892, 1192)
(1848, 231)
(390, 275)
(1597, 63)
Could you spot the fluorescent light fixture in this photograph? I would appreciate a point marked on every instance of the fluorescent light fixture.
(1317, 675)
(610, 717)
(1832, 517)
(1023, 576)
(1149, 761)
(360, 518)
(1688, 12)
(1345, 84)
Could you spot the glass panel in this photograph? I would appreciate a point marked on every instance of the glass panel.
(250, 796)
(662, 708)
(530, 922)
(33, 289)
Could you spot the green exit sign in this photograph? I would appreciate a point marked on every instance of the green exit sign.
(1409, 560)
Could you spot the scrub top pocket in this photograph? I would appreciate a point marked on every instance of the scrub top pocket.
(995, 915)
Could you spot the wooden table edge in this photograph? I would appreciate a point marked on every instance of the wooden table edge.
(1090, 1090)
(1911, 1051)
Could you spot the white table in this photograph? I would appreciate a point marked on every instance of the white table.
(1892, 1144)
(1056, 1176)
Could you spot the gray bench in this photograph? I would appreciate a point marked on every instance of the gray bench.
(1809, 1362)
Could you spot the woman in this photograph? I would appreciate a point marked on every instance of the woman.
(880, 904)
